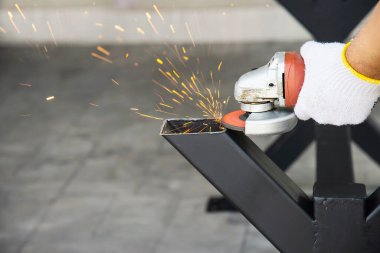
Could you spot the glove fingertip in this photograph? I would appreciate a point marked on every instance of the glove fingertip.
(301, 114)
(308, 47)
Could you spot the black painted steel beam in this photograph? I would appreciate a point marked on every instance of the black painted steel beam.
(263, 193)
(288, 147)
(373, 221)
(329, 20)
(367, 137)
(334, 158)
(340, 218)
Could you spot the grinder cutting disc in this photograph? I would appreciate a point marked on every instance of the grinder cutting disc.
(235, 120)
(272, 122)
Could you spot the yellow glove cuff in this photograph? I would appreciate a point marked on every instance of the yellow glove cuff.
(353, 71)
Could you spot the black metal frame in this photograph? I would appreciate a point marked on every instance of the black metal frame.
(339, 217)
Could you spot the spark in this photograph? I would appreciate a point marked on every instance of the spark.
(179, 95)
(158, 12)
(98, 24)
(149, 18)
(176, 74)
(165, 105)
(172, 28)
(220, 66)
(25, 84)
(139, 30)
(50, 98)
(126, 56)
(185, 58)
(115, 82)
(119, 28)
(93, 104)
(34, 28)
(10, 15)
(103, 50)
(20, 11)
(162, 86)
(134, 109)
(101, 57)
(184, 50)
(148, 116)
(51, 33)
(159, 61)
(176, 101)
(2, 30)
(189, 32)
(26, 115)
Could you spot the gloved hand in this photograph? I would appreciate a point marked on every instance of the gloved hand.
(333, 92)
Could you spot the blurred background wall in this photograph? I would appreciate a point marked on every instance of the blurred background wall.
(93, 22)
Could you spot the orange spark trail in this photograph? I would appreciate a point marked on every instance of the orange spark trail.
(10, 15)
(149, 18)
(101, 58)
(34, 28)
(103, 50)
(172, 28)
(115, 82)
(220, 66)
(51, 33)
(50, 98)
(158, 12)
(119, 28)
(20, 11)
(141, 31)
(25, 84)
(26, 115)
(148, 116)
(189, 32)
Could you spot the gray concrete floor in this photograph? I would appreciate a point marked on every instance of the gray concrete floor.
(79, 178)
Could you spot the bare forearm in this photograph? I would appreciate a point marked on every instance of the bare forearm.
(364, 51)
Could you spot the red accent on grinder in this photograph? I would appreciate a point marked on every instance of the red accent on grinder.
(294, 77)
(233, 120)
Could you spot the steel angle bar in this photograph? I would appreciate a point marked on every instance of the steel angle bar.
(367, 136)
(372, 209)
(288, 147)
(242, 172)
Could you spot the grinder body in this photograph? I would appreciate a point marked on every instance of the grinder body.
(267, 96)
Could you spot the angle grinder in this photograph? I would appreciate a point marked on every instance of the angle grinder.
(267, 96)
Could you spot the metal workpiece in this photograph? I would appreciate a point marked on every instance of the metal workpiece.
(340, 218)
(288, 147)
(331, 20)
(263, 193)
(372, 209)
(334, 157)
(367, 136)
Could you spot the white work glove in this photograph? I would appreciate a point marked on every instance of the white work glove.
(333, 93)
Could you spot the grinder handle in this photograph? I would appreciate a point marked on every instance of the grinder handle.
(294, 77)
